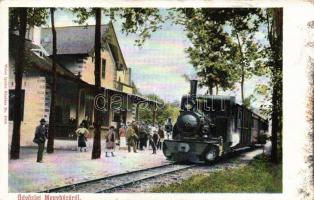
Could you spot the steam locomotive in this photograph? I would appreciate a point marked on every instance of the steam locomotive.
(209, 127)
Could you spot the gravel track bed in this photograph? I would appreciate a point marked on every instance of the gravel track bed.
(147, 185)
(107, 184)
(146, 179)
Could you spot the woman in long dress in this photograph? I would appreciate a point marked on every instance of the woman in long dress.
(81, 133)
(110, 141)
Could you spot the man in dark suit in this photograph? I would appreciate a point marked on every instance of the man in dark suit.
(41, 134)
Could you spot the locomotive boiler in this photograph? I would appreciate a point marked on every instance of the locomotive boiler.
(210, 126)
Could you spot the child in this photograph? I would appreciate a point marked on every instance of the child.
(110, 141)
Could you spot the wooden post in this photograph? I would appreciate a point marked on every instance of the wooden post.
(78, 100)
(136, 111)
(154, 115)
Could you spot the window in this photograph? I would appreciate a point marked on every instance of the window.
(89, 106)
(103, 68)
(11, 104)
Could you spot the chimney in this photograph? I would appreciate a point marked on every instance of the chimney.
(193, 88)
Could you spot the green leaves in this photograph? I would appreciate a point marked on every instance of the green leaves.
(224, 49)
(140, 21)
(35, 17)
(163, 112)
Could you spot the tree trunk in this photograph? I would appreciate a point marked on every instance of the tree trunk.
(277, 82)
(96, 153)
(242, 84)
(210, 89)
(274, 130)
(275, 38)
(51, 130)
(242, 68)
(19, 68)
(217, 89)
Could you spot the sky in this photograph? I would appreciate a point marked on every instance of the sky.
(158, 66)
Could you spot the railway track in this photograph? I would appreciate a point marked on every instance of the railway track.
(111, 183)
(115, 182)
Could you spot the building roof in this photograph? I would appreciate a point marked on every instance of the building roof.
(34, 61)
(44, 64)
(80, 40)
(71, 39)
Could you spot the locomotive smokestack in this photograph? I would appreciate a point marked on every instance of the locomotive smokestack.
(193, 87)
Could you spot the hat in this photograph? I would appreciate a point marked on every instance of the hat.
(42, 120)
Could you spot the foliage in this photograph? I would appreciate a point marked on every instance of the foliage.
(274, 19)
(35, 17)
(258, 176)
(208, 53)
(224, 50)
(140, 21)
(247, 101)
(163, 112)
(264, 91)
(262, 138)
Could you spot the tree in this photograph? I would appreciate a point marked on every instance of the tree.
(209, 50)
(96, 153)
(19, 20)
(163, 112)
(224, 50)
(19, 61)
(274, 26)
(51, 130)
(247, 56)
(240, 20)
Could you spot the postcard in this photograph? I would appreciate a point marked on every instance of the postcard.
(162, 99)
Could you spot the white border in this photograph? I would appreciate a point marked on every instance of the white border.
(295, 87)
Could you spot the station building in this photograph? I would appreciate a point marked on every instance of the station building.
(75, 82)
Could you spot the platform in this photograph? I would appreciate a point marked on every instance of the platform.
(65, 167)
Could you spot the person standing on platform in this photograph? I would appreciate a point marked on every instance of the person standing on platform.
(122, 135)
(142, 135)
(136, 130)
(154, 139)
(110, 141)
(41, 134)
(161, 137)
(131, 138)
(85, 124)
(82, 134)
(168, 127)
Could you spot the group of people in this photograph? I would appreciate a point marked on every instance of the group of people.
(82, 134)
(141, 135)
(135, 135)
